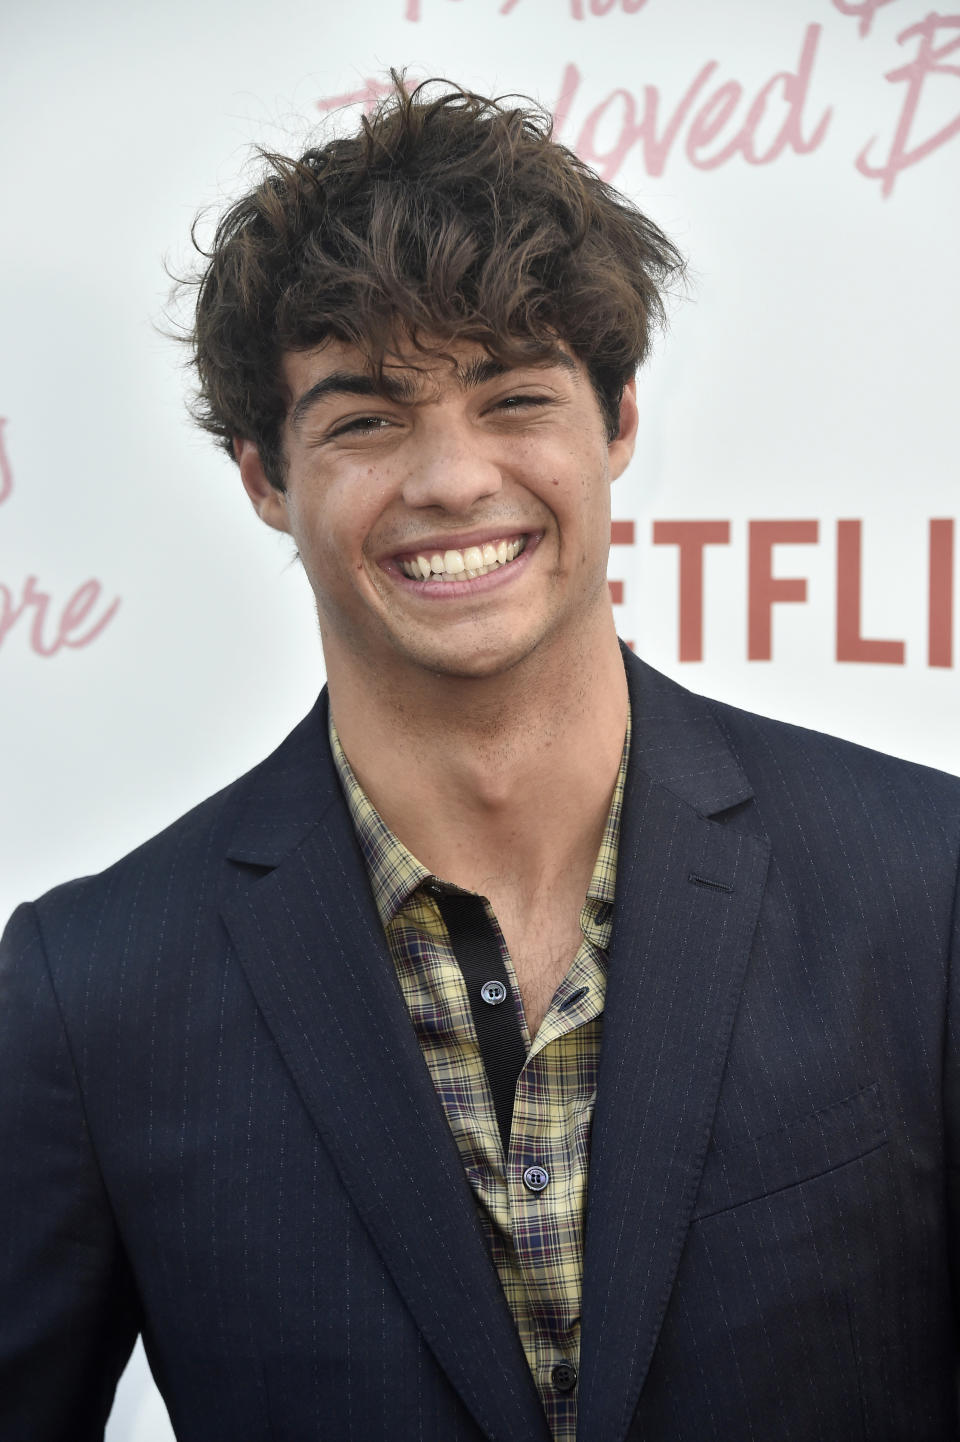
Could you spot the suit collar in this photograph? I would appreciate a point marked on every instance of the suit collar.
(279, 802)
(678, 742)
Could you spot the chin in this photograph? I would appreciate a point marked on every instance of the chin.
(481, 662)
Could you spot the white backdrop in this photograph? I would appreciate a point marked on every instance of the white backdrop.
(155, 641)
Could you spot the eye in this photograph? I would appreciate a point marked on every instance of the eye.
(523, 401)
(361, 426)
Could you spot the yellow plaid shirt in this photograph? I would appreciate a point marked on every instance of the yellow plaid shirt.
(536, 1243)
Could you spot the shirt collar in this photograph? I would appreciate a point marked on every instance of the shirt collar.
(603, 883)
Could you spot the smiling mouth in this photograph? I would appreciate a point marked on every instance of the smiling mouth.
(464, 565)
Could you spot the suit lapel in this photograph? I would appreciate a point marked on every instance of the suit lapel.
(688, 895)
(311, 944)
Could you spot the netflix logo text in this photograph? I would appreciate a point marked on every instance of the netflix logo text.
(767, 589)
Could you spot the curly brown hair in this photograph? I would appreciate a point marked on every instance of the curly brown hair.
(448, 217)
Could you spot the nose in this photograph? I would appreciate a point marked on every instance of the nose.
(451, 468)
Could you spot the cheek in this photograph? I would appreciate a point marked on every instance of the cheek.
(323, 560)
(326, 529)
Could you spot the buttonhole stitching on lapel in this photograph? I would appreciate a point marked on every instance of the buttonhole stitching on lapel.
(707, 881)
(577, 995)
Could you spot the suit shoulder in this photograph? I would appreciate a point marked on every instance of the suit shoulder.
(187, 837)
(781, 755)
(186, 856)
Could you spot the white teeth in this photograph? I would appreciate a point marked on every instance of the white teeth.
(463, 565)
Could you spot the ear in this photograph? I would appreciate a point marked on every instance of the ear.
(620, 449)
(269, 503)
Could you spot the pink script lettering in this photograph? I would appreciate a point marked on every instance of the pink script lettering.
(6, 474)
(368, 95)
(865, 9)
(927, 61)
(708, 114)
(49, 632)
(578, 11)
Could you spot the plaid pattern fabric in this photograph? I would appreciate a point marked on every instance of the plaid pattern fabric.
(536, 1240)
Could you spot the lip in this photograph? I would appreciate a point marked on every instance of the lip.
(453, 590)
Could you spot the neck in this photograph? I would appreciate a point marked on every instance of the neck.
(498, 781)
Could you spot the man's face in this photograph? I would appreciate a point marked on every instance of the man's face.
(395, 495)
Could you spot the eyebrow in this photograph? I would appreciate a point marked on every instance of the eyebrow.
(349, 383)
(402, 390)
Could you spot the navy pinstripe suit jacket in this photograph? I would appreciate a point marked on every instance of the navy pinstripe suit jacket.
(216, 1125)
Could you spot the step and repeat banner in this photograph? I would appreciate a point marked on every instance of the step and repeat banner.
(785, 538)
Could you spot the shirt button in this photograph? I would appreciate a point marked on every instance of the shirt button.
(535, 1178)
(493, 992)
(564, 1376)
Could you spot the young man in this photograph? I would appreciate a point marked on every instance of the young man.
(528, 1048)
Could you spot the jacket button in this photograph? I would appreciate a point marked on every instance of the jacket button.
(493, 992)
(564, 1376)
(536, 1178)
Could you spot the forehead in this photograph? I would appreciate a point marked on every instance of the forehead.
(337, 369)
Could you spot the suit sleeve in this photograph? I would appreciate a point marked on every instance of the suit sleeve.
(952, 1103)
(68, 1312)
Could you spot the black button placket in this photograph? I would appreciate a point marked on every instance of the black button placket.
(499, 1037)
